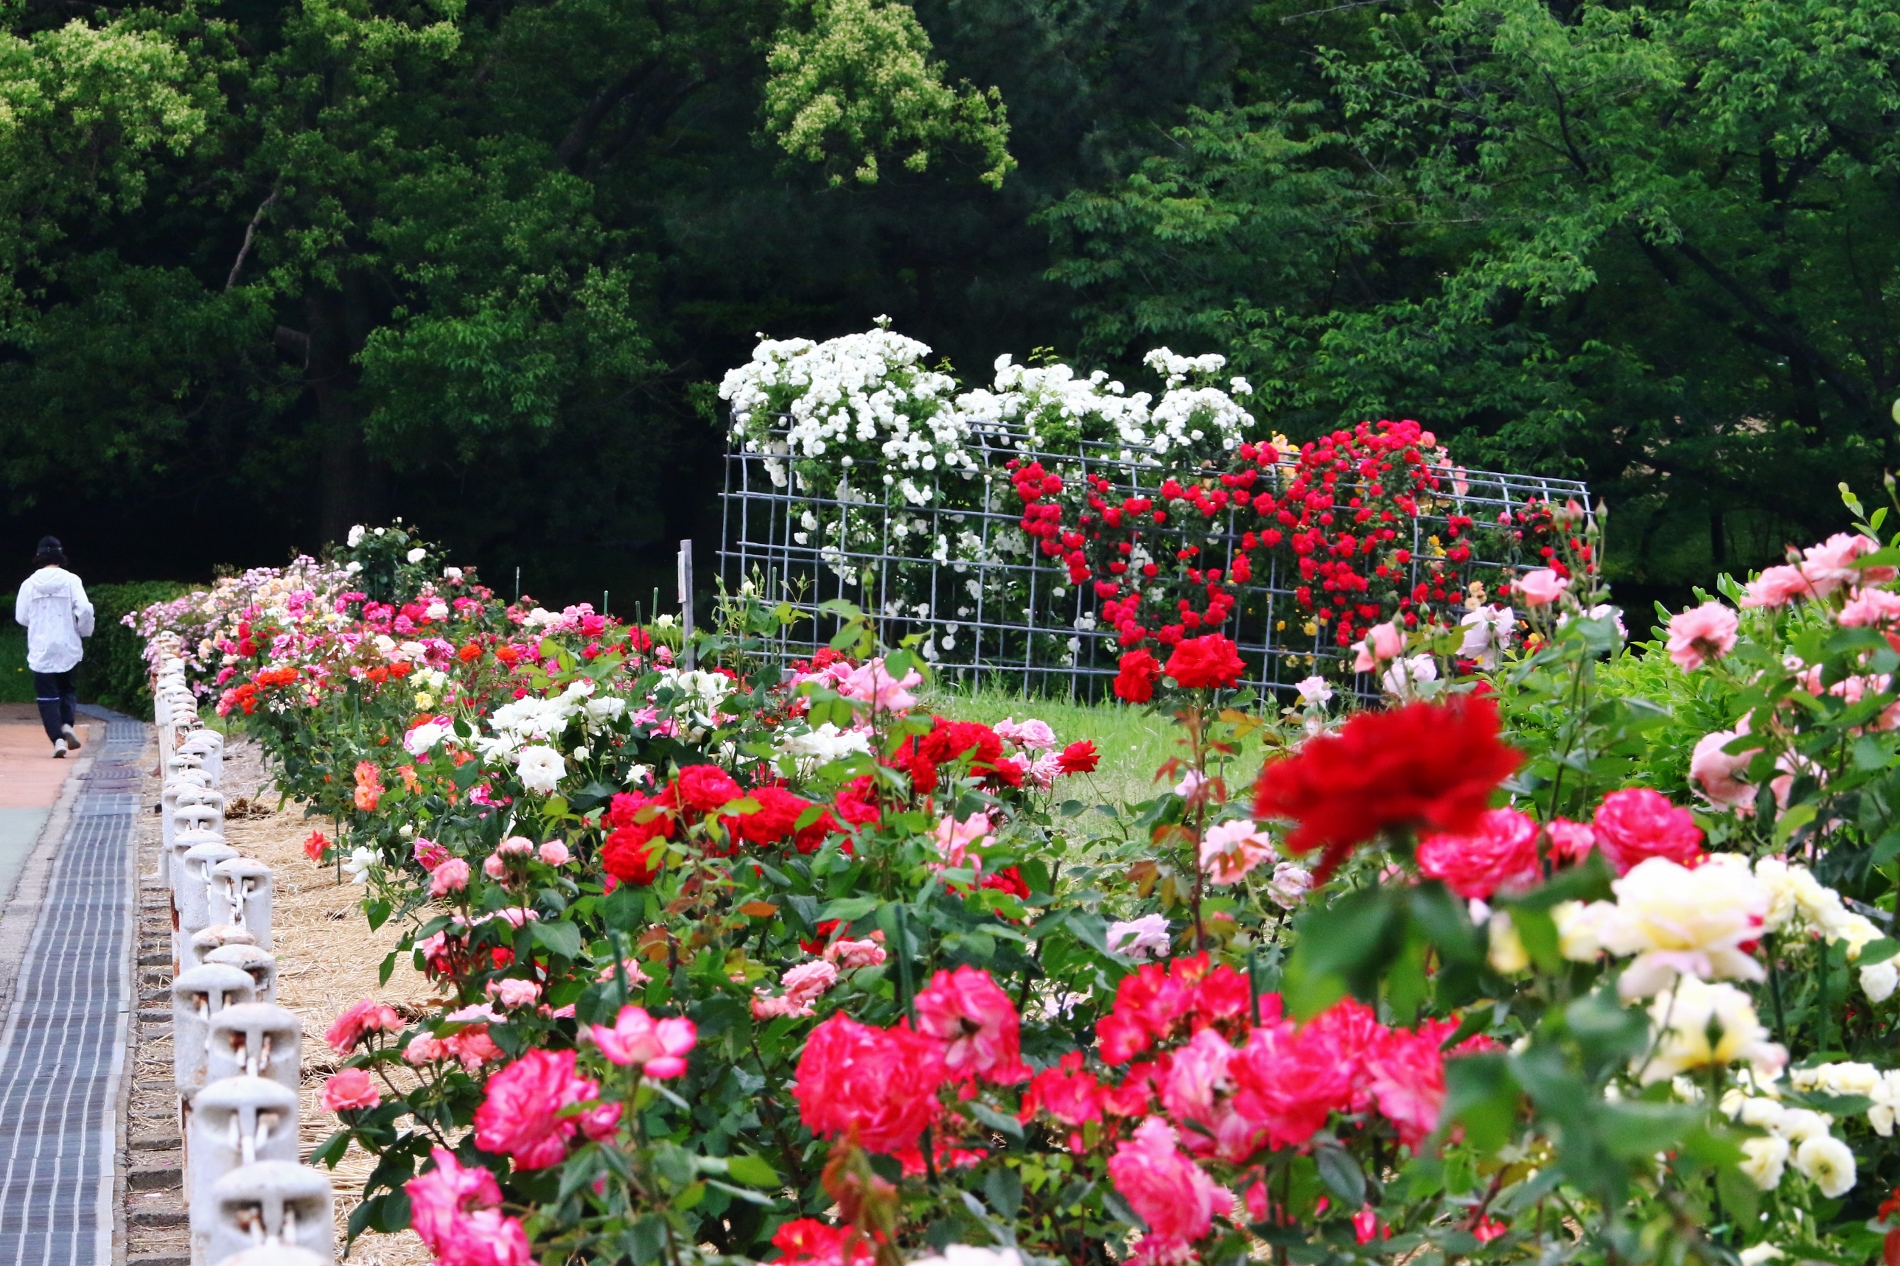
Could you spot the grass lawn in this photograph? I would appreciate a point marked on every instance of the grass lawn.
(1133, 743)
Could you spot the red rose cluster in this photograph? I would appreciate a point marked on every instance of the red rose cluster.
(640, 824)
(949, 741)
(1196, 663)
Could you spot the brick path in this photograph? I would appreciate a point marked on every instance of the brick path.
(67, 1020)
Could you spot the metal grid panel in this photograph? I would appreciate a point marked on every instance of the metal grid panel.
(65, 1039)
(959, 570)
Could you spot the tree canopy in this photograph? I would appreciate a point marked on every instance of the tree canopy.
(278, 265)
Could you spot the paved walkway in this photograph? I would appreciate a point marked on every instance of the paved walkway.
(62, 1047)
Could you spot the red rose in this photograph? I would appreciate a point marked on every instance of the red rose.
(1135, 683)
(1426, 764)
(1079, 757)
(1205, 661)
(702, 787)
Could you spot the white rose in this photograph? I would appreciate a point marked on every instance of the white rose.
(1685, 922)
(540, 769)
(417, 554)
(356, 536)
(1828, 1163)
(1759, 1255)
(1687, 1017)
(966, 1255)
(359, 863)
(1764, 1160)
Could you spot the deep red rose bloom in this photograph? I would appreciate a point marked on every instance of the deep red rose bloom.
(955, 740)
(883, 1082)
(634, 854)
(1135, 683)
(1426, 764)
(702, 787)
(1079, 757)
(1205, 661)
(777, 815)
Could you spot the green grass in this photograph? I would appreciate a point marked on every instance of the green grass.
(1132, 742)
(16, 683)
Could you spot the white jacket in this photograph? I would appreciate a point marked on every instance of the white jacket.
(53, 606)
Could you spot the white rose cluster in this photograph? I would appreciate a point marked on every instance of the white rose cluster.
(1799, 902)
(1799, 1135)
(861, 395)
(528, 732)
(1854, 1078)
(1052, 404)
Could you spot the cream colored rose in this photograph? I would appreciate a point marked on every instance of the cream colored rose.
(1680, 923)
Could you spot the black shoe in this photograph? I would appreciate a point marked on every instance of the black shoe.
(72, 737)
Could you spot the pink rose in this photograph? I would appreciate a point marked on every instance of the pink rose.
(804, 984)
(450, 876)
(424, 1049)
(519, 1115)
(515, 846)
(1172, 1194)
(1500, 854)
(1829, 565)
(1777, 587)
(1383, 642)
(848, 953)
(554, 853)
(359, 1021)
(659, 1047)
(429, 854)
(348, 1090)
(513, 992)
(1713, 771)
(1570, 842)
(1870, 607)
(1701, 634)
(977, 1023)
(452, 1211)
(494, 867)
(1541, 587)
(1230, 849)
(1636, 823)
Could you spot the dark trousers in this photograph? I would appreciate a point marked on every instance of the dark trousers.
(58, 700)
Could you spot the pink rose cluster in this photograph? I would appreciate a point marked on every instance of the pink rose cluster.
(453, 1210)
(520, 1117)
(884, 1084)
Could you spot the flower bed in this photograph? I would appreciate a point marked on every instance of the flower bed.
(738, 963)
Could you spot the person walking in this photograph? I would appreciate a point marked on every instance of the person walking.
(53, 606)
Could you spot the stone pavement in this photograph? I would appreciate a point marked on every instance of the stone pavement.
(66, 937)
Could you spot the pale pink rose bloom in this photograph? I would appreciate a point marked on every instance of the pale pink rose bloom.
(872, 683)
(804, 985)
(1044, 770)
(424, 1049)
(350, 1088)
(513, 992)
(1870, 607)
(1701, 634)
(955, 839)
(1829, 565)
(1541, 587)
(1139, 938)
(474, 1013)
(515, 846)
(1031, 734)
(494, 867)
(554, 853)
(1230, 849)
(1713, 771)
(450, 876)
(1192, 781)
(1777, 587)
(634, 975)
(660, 1047)
(1289, 885)
(848, 953)
(1382, 642)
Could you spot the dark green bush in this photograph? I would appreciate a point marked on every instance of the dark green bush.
(113, 672)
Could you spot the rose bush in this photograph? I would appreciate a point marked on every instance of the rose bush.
(742, 963)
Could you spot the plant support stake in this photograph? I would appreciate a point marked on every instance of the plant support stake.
(686, 602)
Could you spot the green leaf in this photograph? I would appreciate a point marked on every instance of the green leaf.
(848, 909)
(754, 1171)
(559, 938)
(1001, 1122)
(1340, 1172)
(1482, 1096)
(1796, 817)
(1003, 1188)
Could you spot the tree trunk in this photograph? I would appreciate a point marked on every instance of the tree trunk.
(351, 481)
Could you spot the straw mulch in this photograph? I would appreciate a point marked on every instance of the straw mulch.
(327, 958)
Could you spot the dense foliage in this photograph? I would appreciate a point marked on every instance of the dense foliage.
(1570, 953)
(271, 261)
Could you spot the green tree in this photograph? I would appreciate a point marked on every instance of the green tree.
(1655, 246)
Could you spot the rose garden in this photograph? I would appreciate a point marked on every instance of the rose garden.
(1504, 929)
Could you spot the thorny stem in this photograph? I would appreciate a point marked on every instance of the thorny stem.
(1570, 738)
